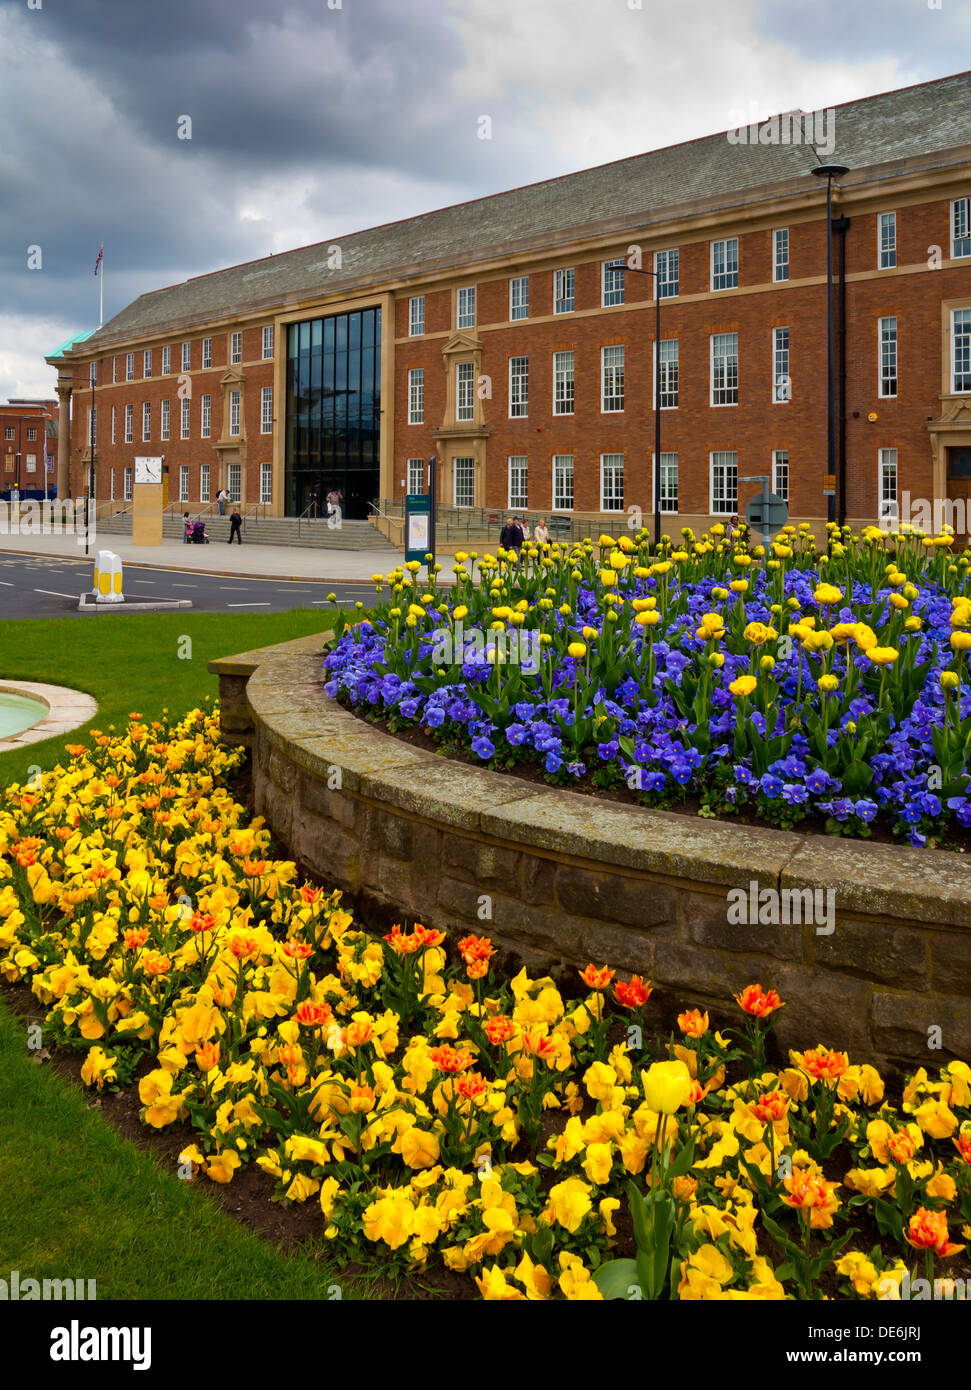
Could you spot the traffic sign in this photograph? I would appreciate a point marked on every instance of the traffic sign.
(767, 512)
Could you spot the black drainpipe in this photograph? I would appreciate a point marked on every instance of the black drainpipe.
(840, 225)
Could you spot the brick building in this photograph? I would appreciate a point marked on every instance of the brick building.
(502, 336)
(29, 433)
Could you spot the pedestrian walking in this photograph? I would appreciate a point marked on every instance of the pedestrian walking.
(235, 527)
(186, 529)
(222, 497)
(541, 534)
(334, 507)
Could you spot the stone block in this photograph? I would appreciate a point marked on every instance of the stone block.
(594, 892)
(536, 879)
(705, 921)
(901, 1024)
(950, 953)
(489, 865)
(895, 955)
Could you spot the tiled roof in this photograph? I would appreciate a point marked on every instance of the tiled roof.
(914, 122)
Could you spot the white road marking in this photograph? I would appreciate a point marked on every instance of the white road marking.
(8, 583)
(55, 594)
(185, 586)
(247, 605)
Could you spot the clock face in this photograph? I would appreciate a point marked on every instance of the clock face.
(148, 470)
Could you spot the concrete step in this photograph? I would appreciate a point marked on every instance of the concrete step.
(279, 531)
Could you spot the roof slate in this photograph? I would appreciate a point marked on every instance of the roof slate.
(913, 122)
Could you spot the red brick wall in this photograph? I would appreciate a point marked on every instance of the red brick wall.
(755, 426)
(193, 451)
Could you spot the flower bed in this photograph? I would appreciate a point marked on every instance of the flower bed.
(435, 1109)
(782, 685)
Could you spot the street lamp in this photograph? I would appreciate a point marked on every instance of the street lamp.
(829, 172)
(657, 396)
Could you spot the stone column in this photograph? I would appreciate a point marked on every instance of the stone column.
(63, 440)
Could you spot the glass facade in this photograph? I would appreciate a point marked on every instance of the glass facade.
(334, 412)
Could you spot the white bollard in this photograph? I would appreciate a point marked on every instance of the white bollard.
(107, 578)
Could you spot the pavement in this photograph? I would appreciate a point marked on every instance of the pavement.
(49, 586)
(240, 561)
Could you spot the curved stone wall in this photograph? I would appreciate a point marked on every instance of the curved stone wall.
(870, 945)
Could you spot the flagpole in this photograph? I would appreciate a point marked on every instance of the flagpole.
(101, 312)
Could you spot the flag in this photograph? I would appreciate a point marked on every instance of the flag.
(100, 259)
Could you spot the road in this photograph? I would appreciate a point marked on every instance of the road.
(34, 587)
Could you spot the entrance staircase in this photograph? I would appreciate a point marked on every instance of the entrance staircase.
(265, 530)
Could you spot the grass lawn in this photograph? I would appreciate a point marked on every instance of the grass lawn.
(135, 662)
(80, 1200)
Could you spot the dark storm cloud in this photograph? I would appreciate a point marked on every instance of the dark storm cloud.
(353, 106)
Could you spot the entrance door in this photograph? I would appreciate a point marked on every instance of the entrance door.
(959, 493)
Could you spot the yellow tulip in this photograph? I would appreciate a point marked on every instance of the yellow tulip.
(667, 1086)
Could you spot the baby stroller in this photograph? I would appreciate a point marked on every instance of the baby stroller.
(199, 536)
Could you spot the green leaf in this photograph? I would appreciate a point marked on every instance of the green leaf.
(616, 1278)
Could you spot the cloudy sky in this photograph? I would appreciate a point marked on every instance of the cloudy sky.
(314, 118)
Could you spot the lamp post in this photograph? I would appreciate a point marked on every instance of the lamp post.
(657, 397)
(829, 172)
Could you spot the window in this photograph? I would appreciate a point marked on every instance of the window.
(887, 381)
(183, 482)
(129, 366)
(887, 240)
(463, 475)
(31, 463)
(564, 290)
(780, 253)
(780, 473)
(234, 412)
(207, 352)
(92, 423)
(166, 360)
(669, 374)
(724, 264)
(129, 423)
(724, 369)
(204, 483)
(961, 227)
(31, 436)
(611, 482)
(563, 482)
(93, 374)
(563, 383)
(887, 485)
(266, 482)
(267, 341)
(611, 379)
(416, 396)
(9, 432)
(724, 482)
(235, 348)
(517, 489)
(234, 484)
(129, 480)
(165, 419)
(781, 382)
(146, 420)
(612, 281)
(266, 410)
(114, 370)
(111, 474)
(416, 476)
(186, 357)
(465, 307)
(519, 297)
(464, 392)
(184, 422)
(416, 316)
(114, 425)
(961, 349)
(518, 387)
(147, 362)
(667, 268)
(205, 404)
(669, 481)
